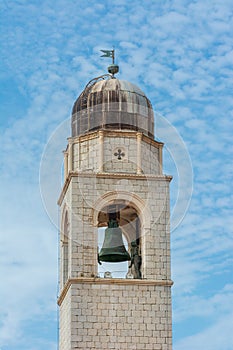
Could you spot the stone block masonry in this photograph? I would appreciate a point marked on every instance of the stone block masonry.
(140, 154)
(118, 314)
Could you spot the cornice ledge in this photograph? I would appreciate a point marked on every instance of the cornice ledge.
(107, 176)
(64, 189)
(134, 176)
(116, 281)
(114, 133)
(119, 175)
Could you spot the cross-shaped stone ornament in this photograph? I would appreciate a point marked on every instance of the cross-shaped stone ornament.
(119, 154)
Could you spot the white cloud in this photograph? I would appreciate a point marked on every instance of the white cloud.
(205, 307)
(217, 336)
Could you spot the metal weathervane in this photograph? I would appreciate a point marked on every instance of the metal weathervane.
(113, 68)
(109, 53)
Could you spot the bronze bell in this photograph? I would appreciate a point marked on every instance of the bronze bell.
(113, 249)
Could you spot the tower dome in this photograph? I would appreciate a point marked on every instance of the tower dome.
(110, 103)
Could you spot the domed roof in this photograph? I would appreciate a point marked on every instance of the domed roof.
(112, 104)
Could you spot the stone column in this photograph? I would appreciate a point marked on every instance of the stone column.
(160, 159)
(70, 156)
(101, 153)
(139, 153)
(65, 164)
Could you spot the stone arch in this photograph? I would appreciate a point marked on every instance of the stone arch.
(132, 199)
(65, 224)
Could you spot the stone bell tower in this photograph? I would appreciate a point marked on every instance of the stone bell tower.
(114, 179)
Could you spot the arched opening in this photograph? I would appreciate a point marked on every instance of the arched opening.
(125, 217)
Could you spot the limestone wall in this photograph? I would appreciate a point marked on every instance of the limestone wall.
(65, 327)
(119, 316)
(98, 152)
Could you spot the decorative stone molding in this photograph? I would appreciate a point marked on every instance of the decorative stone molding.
(116, 281)
(72, 174)
(114, 133)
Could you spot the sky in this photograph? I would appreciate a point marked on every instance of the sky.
(180, 54)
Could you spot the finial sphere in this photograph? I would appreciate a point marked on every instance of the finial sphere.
(113, 69)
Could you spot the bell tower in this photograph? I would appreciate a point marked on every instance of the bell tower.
(114, 180)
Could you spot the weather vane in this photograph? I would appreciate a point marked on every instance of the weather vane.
(113, 68)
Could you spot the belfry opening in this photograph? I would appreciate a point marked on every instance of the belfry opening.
(120, 239)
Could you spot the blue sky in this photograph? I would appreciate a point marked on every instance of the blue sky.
(180, 53)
